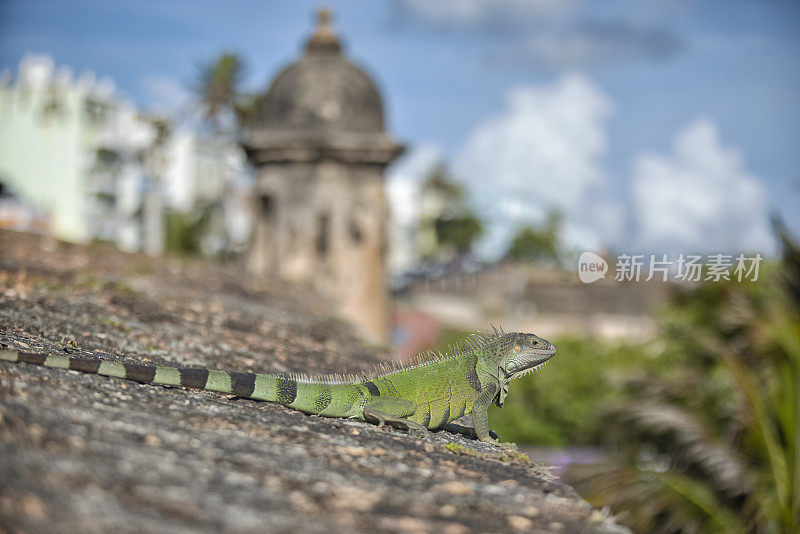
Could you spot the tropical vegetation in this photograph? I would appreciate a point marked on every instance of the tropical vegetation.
(699, 428)
(711, 443)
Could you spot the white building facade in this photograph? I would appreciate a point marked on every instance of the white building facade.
(81, 163)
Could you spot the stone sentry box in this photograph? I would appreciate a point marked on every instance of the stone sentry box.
(319, 145)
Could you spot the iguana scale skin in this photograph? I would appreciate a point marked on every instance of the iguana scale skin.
(427, 394)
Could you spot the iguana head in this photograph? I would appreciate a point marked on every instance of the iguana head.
(521, 354)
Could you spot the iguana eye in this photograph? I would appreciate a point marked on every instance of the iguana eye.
(535, 341)
(511, 366)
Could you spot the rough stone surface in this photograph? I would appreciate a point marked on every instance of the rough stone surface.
(87, 453)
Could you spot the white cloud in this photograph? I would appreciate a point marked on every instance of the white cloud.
(699, 197)
(469, 14)
(544, 150)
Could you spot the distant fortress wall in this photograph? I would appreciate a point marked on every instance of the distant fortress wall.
(547, 302)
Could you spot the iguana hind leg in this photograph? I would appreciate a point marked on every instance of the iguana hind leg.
(392, 411)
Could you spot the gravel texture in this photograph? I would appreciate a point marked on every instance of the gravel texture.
(87, 453)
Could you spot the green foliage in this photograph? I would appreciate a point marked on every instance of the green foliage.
(218, 86)
(245, 107)
(713, 444)
(440, 183)
(559, 406)
(458, 233)
(701, 426)
(184, 231)
(454, 225)
(538, 243)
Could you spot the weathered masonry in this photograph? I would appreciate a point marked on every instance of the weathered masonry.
(319, 143)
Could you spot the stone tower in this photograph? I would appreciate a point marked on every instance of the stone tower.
(319, 145)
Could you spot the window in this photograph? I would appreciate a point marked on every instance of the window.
(322, 234)
(355, 232)
(265, 206)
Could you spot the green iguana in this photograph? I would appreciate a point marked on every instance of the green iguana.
(426, 394)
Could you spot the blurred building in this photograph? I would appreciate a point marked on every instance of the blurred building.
(529, 298)
(72, 158)
(207, 176)
(320, 148)
(81, 163)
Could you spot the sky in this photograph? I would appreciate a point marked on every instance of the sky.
(652, 126)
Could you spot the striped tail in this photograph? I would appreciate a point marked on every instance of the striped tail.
(332, 400)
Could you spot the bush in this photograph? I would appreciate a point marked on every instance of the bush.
(560, 405)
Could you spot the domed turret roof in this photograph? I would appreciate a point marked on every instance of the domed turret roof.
(321, 100)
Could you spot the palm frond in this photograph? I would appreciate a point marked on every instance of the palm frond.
(677, 434)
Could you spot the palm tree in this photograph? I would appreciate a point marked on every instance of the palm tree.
(218, 87)
(714, 446)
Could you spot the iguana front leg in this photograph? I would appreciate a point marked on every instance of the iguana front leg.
(466, 431)
(480, 412)
(480, 415)
(392, 411)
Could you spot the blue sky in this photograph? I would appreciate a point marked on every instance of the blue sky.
(636, 106)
